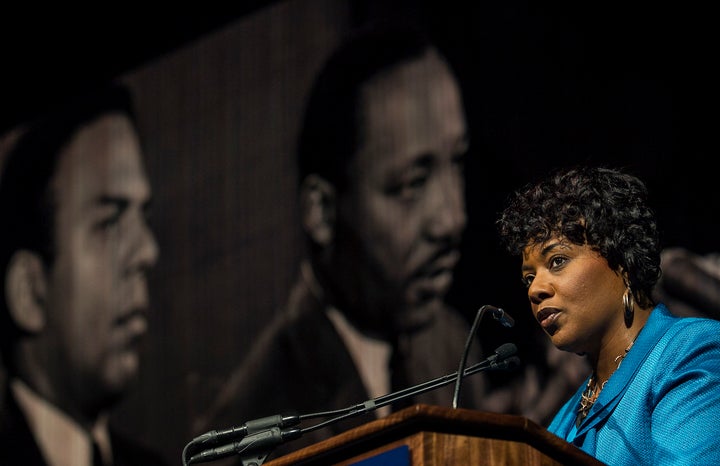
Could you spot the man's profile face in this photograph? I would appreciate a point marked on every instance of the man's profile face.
(97, 288)
(401, 219)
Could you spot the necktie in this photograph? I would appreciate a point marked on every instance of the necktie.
(97, 459)
(398, 376)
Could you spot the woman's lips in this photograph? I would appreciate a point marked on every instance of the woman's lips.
(547, 317)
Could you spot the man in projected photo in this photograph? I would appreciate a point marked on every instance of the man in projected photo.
(75, 251)
(690, 282)
(381, 200)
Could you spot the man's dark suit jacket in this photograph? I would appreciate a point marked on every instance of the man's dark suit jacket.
(19, 448)
(300, 364)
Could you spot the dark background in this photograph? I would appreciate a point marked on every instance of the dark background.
(566, 81)
(220, 93)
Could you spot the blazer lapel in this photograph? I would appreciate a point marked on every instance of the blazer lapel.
(654, 329)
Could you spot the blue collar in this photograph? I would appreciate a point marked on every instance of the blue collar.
(658, 323)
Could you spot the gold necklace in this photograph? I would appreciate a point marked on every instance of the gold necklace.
(592, 391)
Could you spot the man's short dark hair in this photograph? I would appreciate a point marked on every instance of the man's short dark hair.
(330, 128)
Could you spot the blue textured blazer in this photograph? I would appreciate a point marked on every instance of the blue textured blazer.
(662, 406)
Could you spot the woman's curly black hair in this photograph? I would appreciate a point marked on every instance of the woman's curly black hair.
(601, 207)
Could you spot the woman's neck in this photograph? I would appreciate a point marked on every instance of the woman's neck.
(617, 347)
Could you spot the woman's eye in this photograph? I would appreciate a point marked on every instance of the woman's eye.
(527, 280)
(557, 261)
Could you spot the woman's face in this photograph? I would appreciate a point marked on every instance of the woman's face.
(574, 295)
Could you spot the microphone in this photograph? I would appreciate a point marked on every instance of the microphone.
(504, 319)
(509, 363)
(501, 359)
(502, 316)
(262, 442)
(214, 437)
(501, 353)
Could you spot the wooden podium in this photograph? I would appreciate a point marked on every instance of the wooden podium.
(432, 435)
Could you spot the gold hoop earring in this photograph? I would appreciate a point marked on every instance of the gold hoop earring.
(629, 306)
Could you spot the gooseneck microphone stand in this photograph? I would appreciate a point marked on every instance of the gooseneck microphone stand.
(256, 439)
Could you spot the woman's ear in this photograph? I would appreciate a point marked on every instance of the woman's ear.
(626, 279)
(317, 209)
(25, 291)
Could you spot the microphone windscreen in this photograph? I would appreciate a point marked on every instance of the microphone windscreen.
(505, 350)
